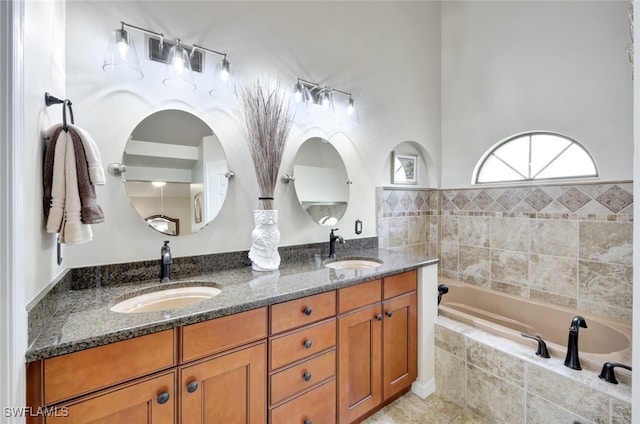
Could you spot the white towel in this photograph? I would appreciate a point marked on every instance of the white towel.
(64, 215)
(73, 230)
(94, 160)
(56, 211)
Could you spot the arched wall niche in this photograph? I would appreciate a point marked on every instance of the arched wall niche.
(426, 170)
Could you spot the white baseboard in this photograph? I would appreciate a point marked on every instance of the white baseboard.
(424, 390)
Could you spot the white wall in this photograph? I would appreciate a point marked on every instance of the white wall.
(386, 54)
(509, 67)
(44, 71)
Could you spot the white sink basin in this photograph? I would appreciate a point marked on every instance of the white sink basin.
(353, 264)
(166, 299)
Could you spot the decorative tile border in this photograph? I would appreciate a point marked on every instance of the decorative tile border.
(587, 201)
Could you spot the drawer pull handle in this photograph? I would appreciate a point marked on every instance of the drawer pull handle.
(307, 344)
(308, 421)
(307, 376)
(389, 313)
(163, 397)
(379, 317)
(192, 387)
(307, 310)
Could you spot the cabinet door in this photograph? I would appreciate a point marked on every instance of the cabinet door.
(149, 401)
(400, 349)
(228, 389)
(360, 362)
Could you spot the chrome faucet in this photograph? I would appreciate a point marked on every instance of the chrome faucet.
(332, 242)
(166, 261)
(572, 360)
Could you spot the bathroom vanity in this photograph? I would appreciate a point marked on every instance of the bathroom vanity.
(285, 351)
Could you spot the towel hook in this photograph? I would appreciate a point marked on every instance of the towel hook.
(50, 100)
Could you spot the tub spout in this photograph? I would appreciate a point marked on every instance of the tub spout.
(442, 290)
(572, 360)
(542, 346)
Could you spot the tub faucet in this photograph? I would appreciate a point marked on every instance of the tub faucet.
(332, 242)
(572, 360)
(607, 374)
(166, 261)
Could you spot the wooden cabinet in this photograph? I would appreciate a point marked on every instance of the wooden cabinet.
(147, 401)
(302, 364)
(224, 386)
(332, 357)
(377, 344)
(399, 347)
(221, 376)
(360, 362)
(229, 388)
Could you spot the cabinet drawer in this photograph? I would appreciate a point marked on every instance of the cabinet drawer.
(303, 376)
(296, 313)
(302, 343)
(317, 406)
(81, 372)
(360, 295)
(400, 284)
(217, 335)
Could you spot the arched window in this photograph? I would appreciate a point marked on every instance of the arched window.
(534, 156)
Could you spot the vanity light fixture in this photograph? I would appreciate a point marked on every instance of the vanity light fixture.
(122, 57)
(181, 60)
(310, 92)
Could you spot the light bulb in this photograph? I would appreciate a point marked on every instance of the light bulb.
(158, 183)
(297, 94)
(325, 100)
(224, 72)
(178, 64)
(350, 106)
(123, 48)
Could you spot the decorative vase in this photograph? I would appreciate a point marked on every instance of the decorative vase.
(264, 241)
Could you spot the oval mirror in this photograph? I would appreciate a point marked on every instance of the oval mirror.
(175, 172)
(321, 181)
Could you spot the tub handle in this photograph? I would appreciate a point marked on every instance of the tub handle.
(542, 346)
(607, 374)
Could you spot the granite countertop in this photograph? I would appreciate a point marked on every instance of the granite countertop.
(83, 319)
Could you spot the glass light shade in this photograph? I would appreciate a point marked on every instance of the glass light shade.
(178, 73)
(326, 100)
(121, 59)
(224, 83)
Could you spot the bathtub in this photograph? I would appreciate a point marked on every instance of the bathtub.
(605, 340)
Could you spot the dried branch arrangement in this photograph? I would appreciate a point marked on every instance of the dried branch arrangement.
(268, 122)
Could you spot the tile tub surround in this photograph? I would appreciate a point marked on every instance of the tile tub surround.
(505, 382)
(408, 219)
(82, 318)
(570, 245)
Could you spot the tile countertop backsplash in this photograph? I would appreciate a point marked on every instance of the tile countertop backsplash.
(82, 318)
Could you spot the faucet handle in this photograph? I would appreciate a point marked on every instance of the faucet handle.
(542, 346)
(607, 374)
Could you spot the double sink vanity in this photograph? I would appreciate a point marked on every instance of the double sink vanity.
(318, 341)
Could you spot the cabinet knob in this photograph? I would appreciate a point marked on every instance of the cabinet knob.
(307, 344)
(389, 313)
(163, 397)
(308, 421)
(379, 317)
(307, 376)
(192, 387)
(307, 310)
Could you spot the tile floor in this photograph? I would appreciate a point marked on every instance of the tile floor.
(435, 409)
